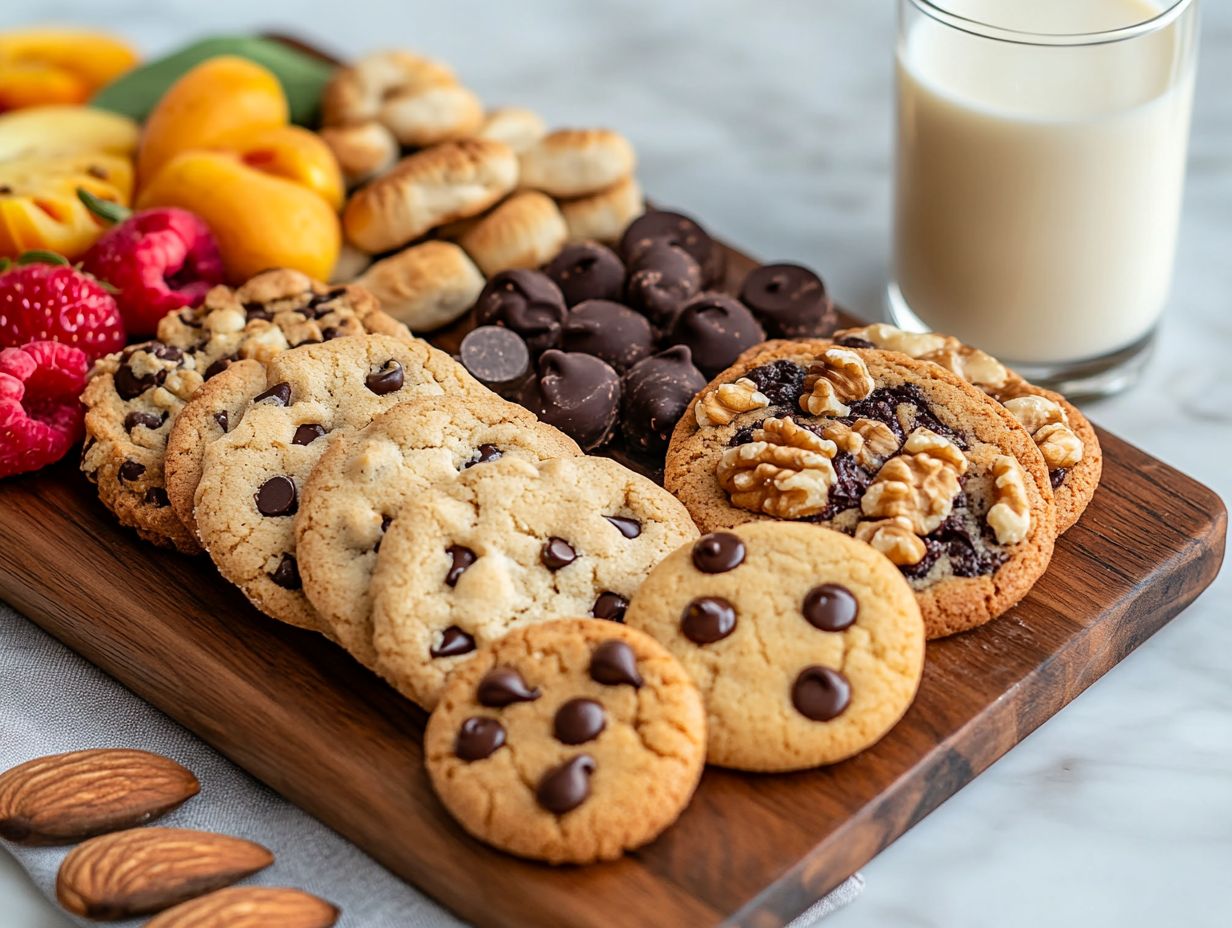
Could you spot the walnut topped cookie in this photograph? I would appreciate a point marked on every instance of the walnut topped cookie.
(898, 452)
(1064, 436)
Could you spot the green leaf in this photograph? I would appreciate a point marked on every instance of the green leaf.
(38, 256)
(5, 264)
(107, 210)
(302, 76)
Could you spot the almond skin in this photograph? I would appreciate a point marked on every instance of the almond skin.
(63, 798)
(249, 907)
(147, 870)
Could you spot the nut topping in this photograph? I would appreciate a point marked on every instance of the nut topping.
(784, 472)
(1049, 427)
(920, 484)
(895, 538)
(247, 906)
(1010, 515)
(839, 376)
(721, 405)
(1034, 412)
(912, 344)
(866, 440)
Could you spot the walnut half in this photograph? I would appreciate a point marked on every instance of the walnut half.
(895, 538)
(868, 441)
(784, 472)
(920, 484)
(1049, 427)
(722, 404)
(838, 377)
(1010, 515)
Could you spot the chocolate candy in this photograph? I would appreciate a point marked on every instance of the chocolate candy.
(306, 434)
(610, 331)
(577, 393)
(503, 686)
(613, 663)
(716, 328)
(830, 607)
(528, 302)
(462, 558)
(587, 271)
(557, 553)
(820, 693)
(656, 392)
(610, 606)
(630, 528)
(676, 229)
(453, 642)
(566, 787)
(286, 574)
(578, 721)
(708, 619)
(479, 737)
(277, 497)
(662, 279)
(789, 300)
(387, 380)
(718, 553)
(497, 357)
(279, 395)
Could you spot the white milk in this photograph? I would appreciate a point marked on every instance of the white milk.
(1039, 188)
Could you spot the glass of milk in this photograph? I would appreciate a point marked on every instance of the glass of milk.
(1040, 165)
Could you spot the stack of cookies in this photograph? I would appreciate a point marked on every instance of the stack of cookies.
(489, 190)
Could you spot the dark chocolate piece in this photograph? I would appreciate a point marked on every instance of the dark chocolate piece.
(277, 497)
(830, 607)
(308, 433)
(578, 721)
(503, 686)
(147, 419)
(613, 663)
(219, 366)
(609, 331)
(388, 379)
(131, 470)
(789, 300)
(495, 356)
(663, 278)
(564, 788)
(286, 574)
(483, 454)
(610, 606)
(528, 302)
(280, 393)
(587, 271)
(222, 419)
(157, 496)
(718, 553)
(708, 619)
(717, 328)
(630, 528)
(820, 693)
(454, 642)
(577, 393)
(557, 553)
(463, 558)
(656, 393)
(479, 737)
(676, 229)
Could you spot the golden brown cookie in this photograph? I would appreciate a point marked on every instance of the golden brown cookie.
(516, 126)
(363, 150)
(524, 231)
(357, 92)
(576, 162)
(425, 286)
(605, 215)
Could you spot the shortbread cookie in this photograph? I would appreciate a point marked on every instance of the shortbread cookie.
(427, 117)
(901, 453)
(807, 645)
(526, 230)
(425, 286)
(425, 190)
(569, 741)
(508, 544)
(1064, 436)
(134, 397)
(351, 263)
(516, 126)
(356, 93)
(362, 481)
(605, 215)
(576, 162)
(363, 150)
(251, 477)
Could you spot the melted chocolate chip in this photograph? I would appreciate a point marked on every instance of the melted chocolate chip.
(157, 496)
(479, 737)
(579, 721)
(453, 642)
(329, 333)
(286, 574)
(257, 311)
(169, 353)
(131, 470)
(708, 619)
(566, 787)
(316, 305)
(280, 393)
(148, 419)
(129, 385)
(387, 380)
(781, 381)
(557, 553)
(483, 454)
(219, 366)
(462, 558)
(307, 434)
(830, 607)
(222, 419)
(385, 523)
(718, 553)
(630, 528)
(610, 606)
(855, 341)
(883, 405)
(820, 693)
(1057, 477)
(613, 663)
(503, 686)
(277, 497)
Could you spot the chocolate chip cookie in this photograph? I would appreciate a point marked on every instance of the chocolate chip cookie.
(251, 477)
(569, 741)
(135, 396)
(363, 479)
(508, 544)
(1064, 436)
(900, 453)
(807, 645)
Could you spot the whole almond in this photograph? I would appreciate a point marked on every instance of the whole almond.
(249, 907)
(149, 869)
(66, 797)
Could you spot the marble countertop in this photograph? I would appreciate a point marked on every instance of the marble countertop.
(772, 122)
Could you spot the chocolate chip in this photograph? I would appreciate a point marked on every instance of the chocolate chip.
(129, 385)
(131, 470)
(1057, 477)
(566, 787)
(718, 553)
(277, 497)
(307, 434)
(610, 606)
(388, 379)
(820, 693)
(630, 528)
(503, 686)
(830, 607)
(483, 454)
(613, 663)
(790, 301)
(708, 619)
(219, 366)
(286, 574)
(781, 381)
(257, 311)
(528, 303)
(148, 419)
(385, 523)
(222, 419)
(479, 737)
(157, 496)
(280, 393)
(169, 353)
(854, 341)
(318, 300)
(189, 318)
(587, 271)
(495, 356)
(463, 558)
(453, 642)
(578, 721)
(557, 553)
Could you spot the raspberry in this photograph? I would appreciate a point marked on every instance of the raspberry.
(55, 302)
(40, 414)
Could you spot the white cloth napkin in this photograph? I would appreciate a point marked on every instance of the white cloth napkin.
(52, 701)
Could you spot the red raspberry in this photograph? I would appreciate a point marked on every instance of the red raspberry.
(58, 303)
(159, 260)
(40, 413)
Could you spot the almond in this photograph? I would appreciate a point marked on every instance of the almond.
(149, 869)
(249, 907)
(66, 797)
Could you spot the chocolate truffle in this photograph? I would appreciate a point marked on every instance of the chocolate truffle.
(662, 278)
(526, 302)
(609, 331)
(495, 356)
(676, 229)
(716, 328)
(587, 271)
(789, 300)
(656, 393)
(577, 393)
